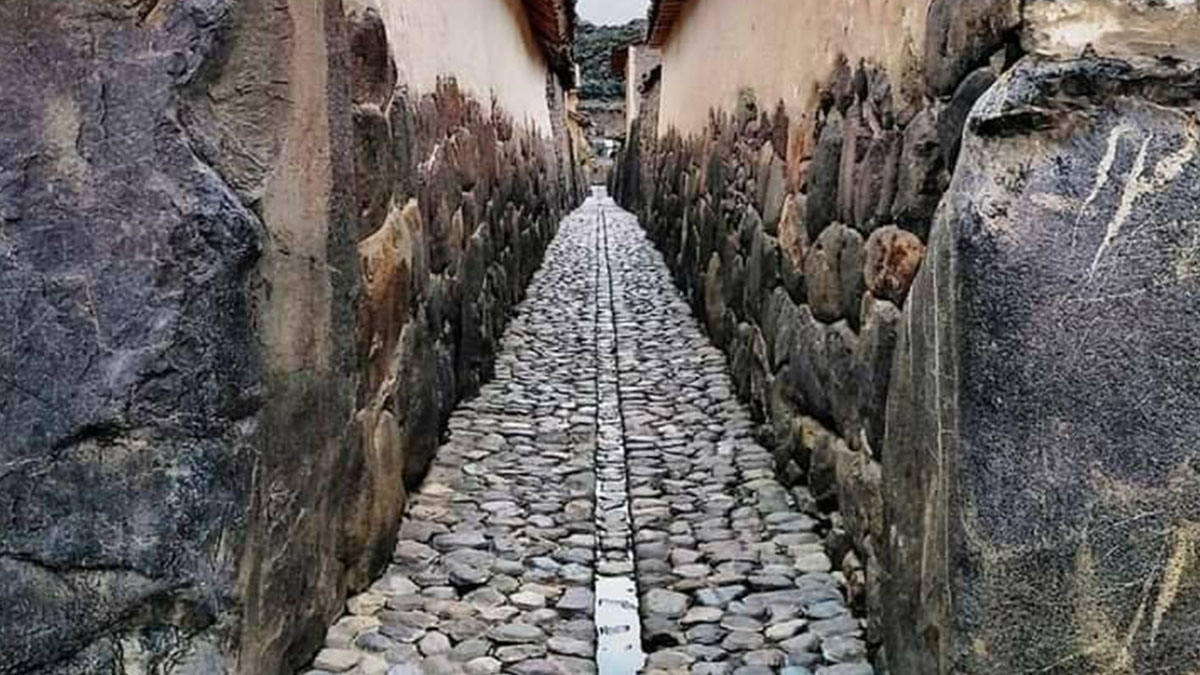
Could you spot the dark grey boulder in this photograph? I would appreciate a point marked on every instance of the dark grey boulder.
(833, 274)
(857, 140)
(873, 368)
(841, 346)
(820, 204)
(1037, 440)
(919, 182)
(960, 36)
(875, 188)
(954, 115)
(802, 358)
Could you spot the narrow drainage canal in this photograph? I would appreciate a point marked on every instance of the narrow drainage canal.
(618, 626)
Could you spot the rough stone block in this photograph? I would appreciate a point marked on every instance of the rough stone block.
(793, 237)
(856, 142)
(960, 36)
(714, 300)
(826, 451)
(860, 497)
(740, 360)
(954, 115)
(919, 184)
(820, 204)
(841, 345)
(889, 178)
(1037, 445)
(875, 186)
(833, 274)
(372, 68)
(891, 260)
(873, 370)
(374, 168)
(774, 192)
(802, 362)
(761, 267)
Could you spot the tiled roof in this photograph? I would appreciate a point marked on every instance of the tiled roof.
(553, 23)
(663, 14)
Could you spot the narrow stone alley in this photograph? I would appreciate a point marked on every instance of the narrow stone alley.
(325, 353)
(607, 451)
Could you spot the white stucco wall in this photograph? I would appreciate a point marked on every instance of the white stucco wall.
(487, 45)
(782, 49)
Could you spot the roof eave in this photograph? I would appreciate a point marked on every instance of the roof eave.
(663, 15)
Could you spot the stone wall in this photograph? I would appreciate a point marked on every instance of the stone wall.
(1040, 468)
(245, 278)
(964, 440)
(799, 266)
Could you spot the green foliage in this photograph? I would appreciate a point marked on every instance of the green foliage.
(593, 52)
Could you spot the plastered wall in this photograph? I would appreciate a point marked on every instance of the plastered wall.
(782, 49)
(473, 40)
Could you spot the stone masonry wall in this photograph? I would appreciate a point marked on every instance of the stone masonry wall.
(244, 281)
(796, 242)
(916, 419)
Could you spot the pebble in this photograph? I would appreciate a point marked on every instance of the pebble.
(516, 633)
(336, 660)
(782, 631)
(667, 603)
(434, 644)
(515, 653)
(701, 615)
(527, 600)
(485, 665)
(570, 646)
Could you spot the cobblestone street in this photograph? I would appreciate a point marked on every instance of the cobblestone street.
(608, 449)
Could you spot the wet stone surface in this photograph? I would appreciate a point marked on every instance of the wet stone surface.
(528, 505)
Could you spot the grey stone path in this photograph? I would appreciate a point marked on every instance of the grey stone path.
(497, 562)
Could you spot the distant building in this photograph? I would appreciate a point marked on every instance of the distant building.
(637, 63)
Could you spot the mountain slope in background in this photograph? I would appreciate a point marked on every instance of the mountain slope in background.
(593, 52)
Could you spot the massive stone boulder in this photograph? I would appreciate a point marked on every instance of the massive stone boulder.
(223, 363)
(1042, 493)
(179, 375)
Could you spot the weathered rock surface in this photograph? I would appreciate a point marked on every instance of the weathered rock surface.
(961, 36)
(891, 259)
(1025, 431)
(821, 207)
(873, 369)
(809, 349)
(210, 397)
(1032, 430)
(919, 180)
(833, 274)
(1137, 29)
(153, 388)
(954, 115)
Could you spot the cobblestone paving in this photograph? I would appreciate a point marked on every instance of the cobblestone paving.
(496, 566)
